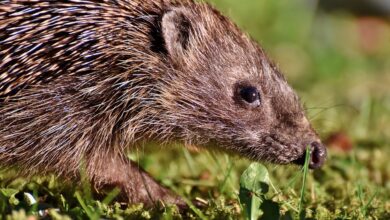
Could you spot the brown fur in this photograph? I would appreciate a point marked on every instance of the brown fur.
(86, 80)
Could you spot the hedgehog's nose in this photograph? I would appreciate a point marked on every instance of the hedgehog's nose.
(317, 156)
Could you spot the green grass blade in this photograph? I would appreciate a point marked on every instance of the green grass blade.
(305, 171)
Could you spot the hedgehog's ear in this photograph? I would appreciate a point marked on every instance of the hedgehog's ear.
(176, 30)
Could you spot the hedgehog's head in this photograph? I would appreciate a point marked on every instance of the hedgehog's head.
(224, 92)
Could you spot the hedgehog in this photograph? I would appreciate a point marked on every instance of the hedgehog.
(83, 82)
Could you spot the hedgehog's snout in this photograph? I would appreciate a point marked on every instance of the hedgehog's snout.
(317, 156)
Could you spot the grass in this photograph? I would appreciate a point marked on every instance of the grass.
(344, 84)
(305, 171)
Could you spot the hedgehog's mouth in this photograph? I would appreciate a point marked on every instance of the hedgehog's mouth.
(296, 153)
(278, 151)
(273, 150)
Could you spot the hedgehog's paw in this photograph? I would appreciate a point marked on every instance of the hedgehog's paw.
(136, 185)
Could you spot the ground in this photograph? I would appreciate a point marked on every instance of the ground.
(339, 65)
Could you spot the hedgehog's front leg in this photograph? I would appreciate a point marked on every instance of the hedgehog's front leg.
(137, 186)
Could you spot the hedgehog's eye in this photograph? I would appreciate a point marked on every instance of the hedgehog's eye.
(250, 95)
